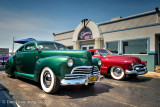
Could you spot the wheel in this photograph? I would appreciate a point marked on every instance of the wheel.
(133, 76)
(49, 82)
(117, 73)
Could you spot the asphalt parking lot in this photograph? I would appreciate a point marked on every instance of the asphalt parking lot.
(139, 92)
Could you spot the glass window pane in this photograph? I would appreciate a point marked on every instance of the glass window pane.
(135, 46)
(30, 47)
(84, 48)
(91, 47)
(60, 47)
(47, 46)
(113, 47)
(70, 47)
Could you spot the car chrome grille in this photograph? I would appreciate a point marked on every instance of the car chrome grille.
(139, 68)
(83, 72)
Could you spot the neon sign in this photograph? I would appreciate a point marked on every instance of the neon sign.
(85, 34)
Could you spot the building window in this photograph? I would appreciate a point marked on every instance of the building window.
(70, 47)
(86, 47)
(112, 46)
(135, 46)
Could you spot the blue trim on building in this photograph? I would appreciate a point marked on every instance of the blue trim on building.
(128, 18)
(63, 39)
(131, 28)
(113, 41)
(153, 53)
(68, 45)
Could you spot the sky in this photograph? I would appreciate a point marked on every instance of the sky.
(39, 19)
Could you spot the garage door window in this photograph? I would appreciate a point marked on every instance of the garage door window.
(135, 46)
(112, 46)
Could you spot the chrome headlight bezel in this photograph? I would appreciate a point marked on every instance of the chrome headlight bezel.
(99, 62)
(70, 62)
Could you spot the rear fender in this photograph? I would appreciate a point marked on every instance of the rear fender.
(9, 68)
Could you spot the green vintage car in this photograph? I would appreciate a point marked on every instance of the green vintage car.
(52, 64)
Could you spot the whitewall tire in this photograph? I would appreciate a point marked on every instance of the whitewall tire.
(117, 73)
(49, 82)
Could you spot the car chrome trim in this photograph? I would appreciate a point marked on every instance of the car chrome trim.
(137, 69)
(103, 67)
(79, 75)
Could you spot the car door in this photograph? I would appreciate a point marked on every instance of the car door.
(29, 58)
(18, 59)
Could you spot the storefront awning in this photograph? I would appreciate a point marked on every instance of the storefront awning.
(23, 41)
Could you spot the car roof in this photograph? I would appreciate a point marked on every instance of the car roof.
(38, 42)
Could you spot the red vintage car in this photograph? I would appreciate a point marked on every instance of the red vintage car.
(119, 66)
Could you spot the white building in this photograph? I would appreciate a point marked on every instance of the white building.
(137, 35)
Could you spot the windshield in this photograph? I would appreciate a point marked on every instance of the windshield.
(105, 52)
(51, 46)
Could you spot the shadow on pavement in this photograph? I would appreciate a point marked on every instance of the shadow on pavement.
(138, 79)
(81, 91)
(6, 99)
(78, 91)
(28, 81)
(131, 79)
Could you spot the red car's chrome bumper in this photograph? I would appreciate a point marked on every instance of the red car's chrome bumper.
(137, 69)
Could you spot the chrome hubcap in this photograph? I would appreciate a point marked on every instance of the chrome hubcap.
(117, 71)
(47, 79)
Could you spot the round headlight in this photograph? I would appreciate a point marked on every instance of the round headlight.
(132, 63)
(70, 62)
(99, 62)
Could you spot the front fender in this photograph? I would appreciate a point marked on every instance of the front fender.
(125, 65)
(95, 62)
(58, 64)
(144, 63)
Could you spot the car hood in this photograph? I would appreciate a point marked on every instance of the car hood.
(122, 57)
(70, 53)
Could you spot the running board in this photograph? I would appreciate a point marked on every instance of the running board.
(29, 76)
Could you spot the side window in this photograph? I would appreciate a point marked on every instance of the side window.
(94, 53)
(21, 49)
(30, 47)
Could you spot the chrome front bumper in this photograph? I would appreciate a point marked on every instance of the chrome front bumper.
(80, 75)
(137, 69)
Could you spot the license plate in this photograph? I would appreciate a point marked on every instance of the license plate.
(91, 79)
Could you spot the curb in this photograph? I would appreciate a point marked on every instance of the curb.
(152, 74)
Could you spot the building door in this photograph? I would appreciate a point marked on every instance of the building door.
(86, 47)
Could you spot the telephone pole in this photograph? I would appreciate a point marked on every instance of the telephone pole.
(13, 46)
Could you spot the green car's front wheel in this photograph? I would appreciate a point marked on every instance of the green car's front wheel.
(49, 82)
